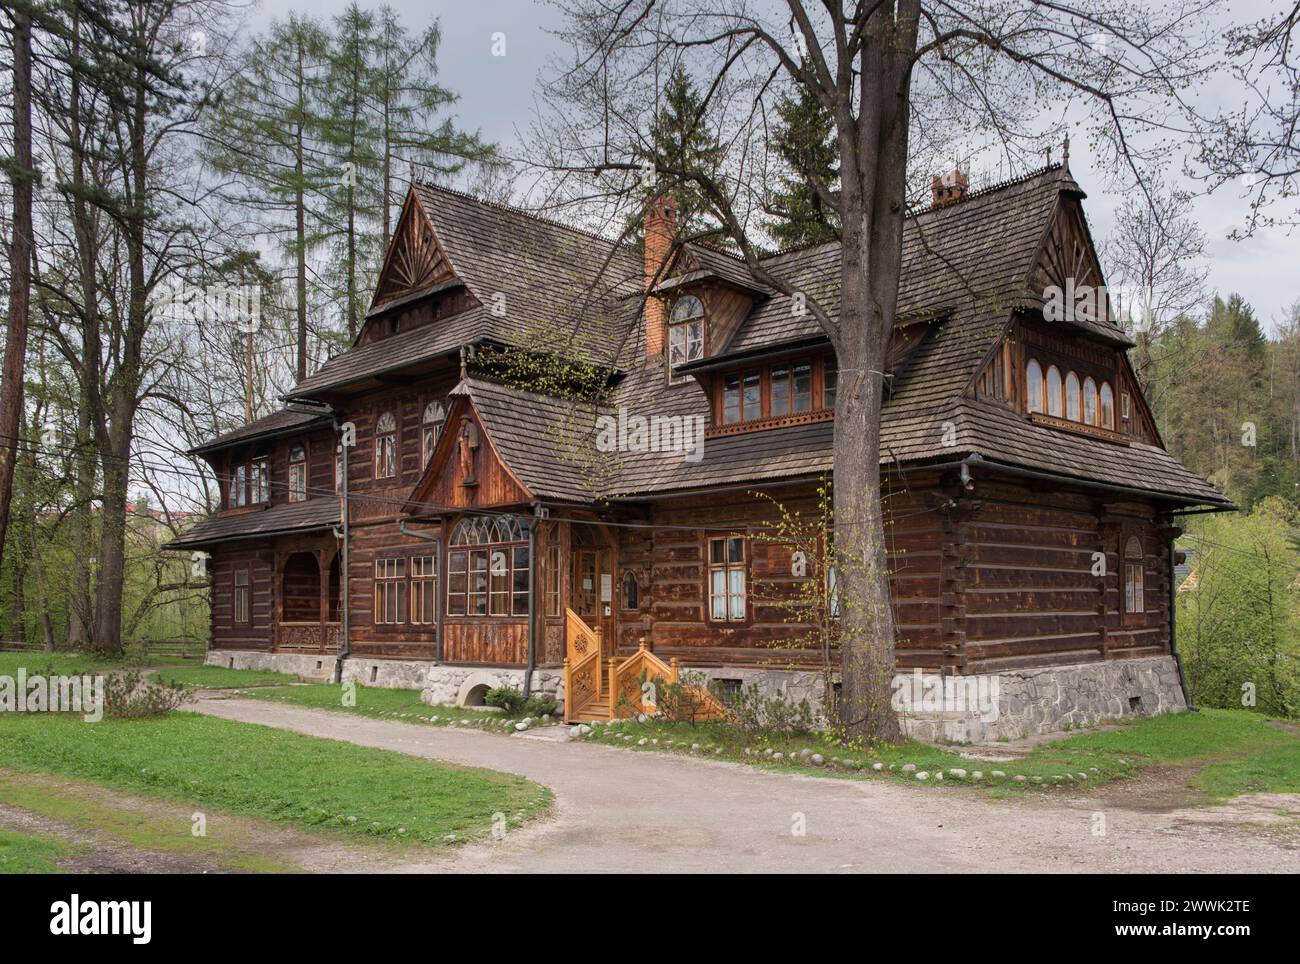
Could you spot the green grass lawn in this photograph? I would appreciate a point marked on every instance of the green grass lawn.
(25, 853)
(387, 704)
(221, 678)
(75, 664)
(1231, 751)
(308, 782)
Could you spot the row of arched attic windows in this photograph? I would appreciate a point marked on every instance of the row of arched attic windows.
(1064, 395)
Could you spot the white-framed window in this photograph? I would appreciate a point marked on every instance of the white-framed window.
(260, 477)
(685, 332)
(423, 580)
(390, 591)
(1054, 394)
(297, 474)
(1089, 401)
(386, 446)
(1072, 397)
(727, 580)
(1107, 405)
(240, 600)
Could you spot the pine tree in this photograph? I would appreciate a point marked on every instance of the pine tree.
(804, 141)
(686, 145)
(407, 100)
(353, 134)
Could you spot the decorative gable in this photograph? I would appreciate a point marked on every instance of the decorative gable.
(415, 260)
(466, 471)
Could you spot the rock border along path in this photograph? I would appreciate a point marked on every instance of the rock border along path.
(622, 811)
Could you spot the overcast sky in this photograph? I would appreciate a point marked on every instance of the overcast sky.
(497, 98)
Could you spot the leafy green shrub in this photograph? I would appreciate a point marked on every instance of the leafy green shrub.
(506, 698)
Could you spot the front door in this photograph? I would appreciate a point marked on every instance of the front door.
(593, 593)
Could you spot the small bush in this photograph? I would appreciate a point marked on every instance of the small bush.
(130, 696)
(506, 698)
(756, 713)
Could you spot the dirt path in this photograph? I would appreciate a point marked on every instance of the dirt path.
(623, 811)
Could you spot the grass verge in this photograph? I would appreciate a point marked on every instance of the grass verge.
(256, 770)
(26, 853)
(403, 706)
(1229, 752)
(222, 678)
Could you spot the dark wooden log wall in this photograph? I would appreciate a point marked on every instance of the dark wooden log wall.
(257, 634)
(1022, 579)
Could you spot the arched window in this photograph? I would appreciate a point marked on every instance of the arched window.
(489, 576)
(1090, 401)
(631, 592)
(386, 446)
(1054, 391)
(1072, 397)
(431, 429)
(1134, 578)
(1107, 406)
(297, 474)
(1034, 385)
(685, 331)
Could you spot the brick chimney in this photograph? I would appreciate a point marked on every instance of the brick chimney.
(660, 229)
(949, 188)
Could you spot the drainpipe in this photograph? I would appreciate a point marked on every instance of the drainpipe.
(538, 515)
(345, 609)
(437, 582)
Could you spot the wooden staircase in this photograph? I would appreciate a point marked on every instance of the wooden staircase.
(598, 688)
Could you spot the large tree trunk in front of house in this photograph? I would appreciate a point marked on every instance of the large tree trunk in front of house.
(20, 268)
(873, 153)
(107, 635)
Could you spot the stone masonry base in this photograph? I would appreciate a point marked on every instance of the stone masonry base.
(462, 685)
(982, 708)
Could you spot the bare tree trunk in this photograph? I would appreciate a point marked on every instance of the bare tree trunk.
(20, 265)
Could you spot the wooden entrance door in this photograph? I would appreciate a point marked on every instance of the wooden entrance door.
(593, 593)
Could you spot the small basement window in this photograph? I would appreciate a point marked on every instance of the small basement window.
(726, 690)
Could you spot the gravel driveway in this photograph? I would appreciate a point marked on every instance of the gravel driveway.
(624, 811)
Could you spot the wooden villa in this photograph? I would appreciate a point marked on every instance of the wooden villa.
(419, 516)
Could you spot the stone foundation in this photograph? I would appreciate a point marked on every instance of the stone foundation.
(462, 685)
(1010, 705)
(982, 708)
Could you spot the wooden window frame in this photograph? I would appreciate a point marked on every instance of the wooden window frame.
(475, 560)
(629, 577)
(681, 325)
(424, 590)
(765, 417)
(386, 445)
(427, 442)
(1133, 587)
(727, 567)
(390, 591)
(237, 497)
(298, 474)
(241, 597)
(1083, 378)
(553, 579)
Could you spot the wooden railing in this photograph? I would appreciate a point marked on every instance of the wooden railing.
(634, 686)
(582, 676)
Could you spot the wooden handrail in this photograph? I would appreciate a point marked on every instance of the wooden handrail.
(582, 666)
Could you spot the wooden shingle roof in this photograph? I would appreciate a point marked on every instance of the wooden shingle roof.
(312, 515)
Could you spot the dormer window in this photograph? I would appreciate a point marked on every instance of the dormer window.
(1085, 400)
(781, 393)
(685, 333)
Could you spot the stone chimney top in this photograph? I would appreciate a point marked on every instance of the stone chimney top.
(948, 188)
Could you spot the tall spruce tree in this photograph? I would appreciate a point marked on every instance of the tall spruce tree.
(407, 101)
(804, 142)
(682, 138)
